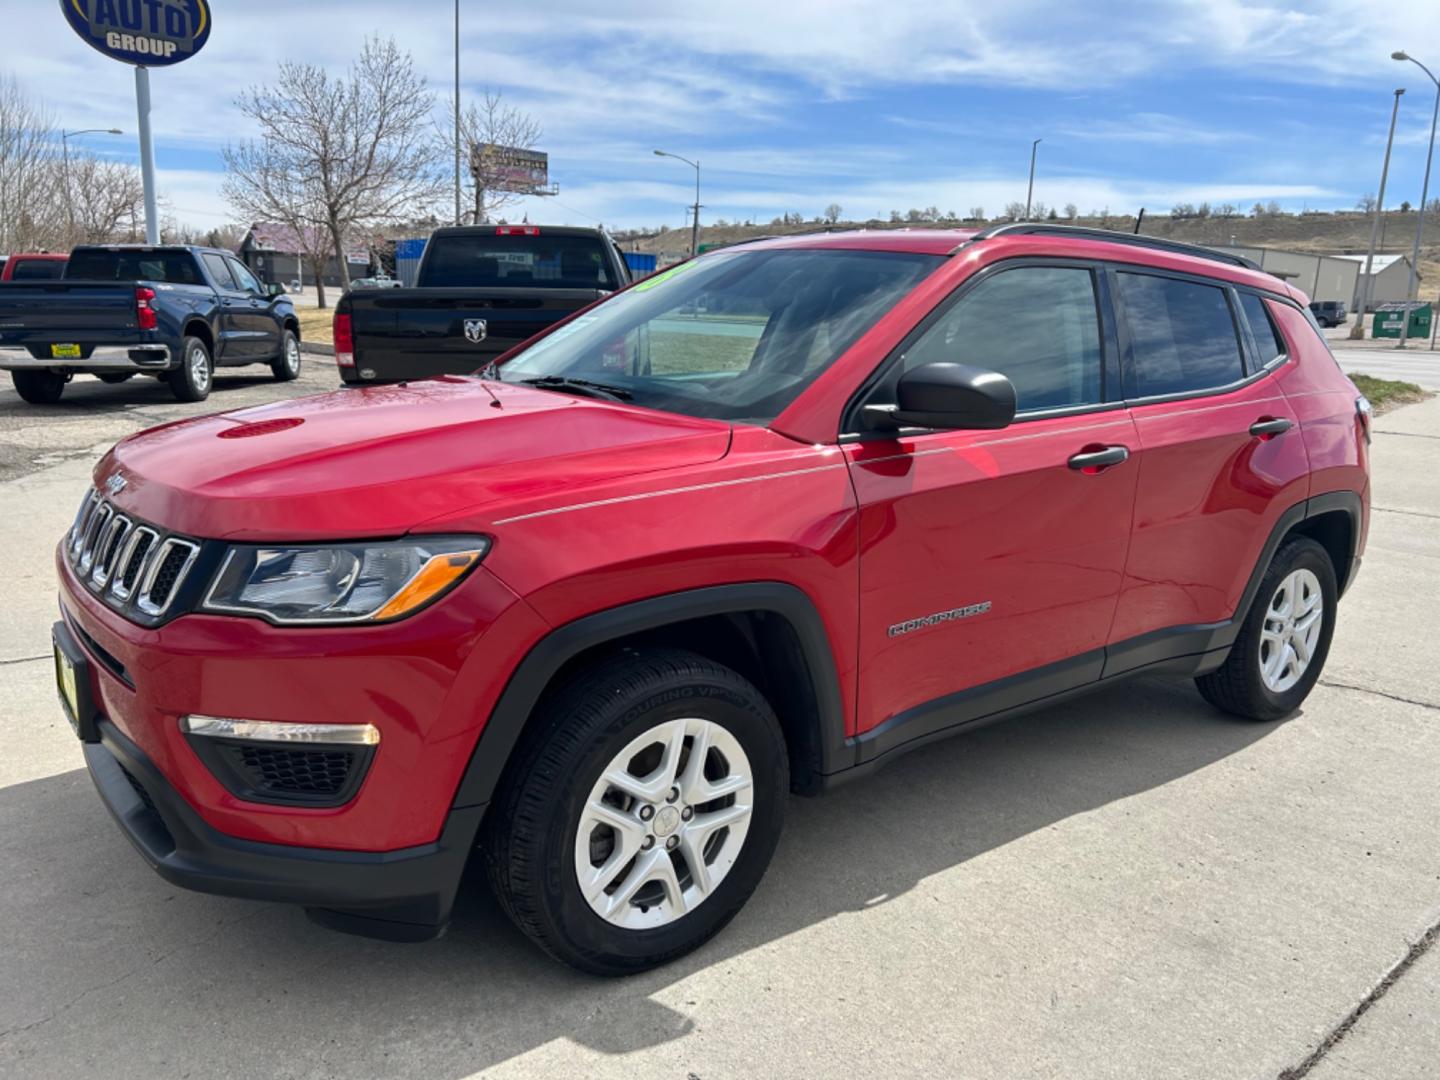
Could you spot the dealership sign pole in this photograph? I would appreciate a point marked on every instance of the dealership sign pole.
(146, 33)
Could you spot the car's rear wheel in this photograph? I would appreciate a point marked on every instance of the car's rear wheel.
(286, 366)
(192, 379)
(1281, 649)
(641, 813)
(39, 387)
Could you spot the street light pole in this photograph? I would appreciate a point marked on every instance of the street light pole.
(1029, 191)
(65, 137)
(1414, 289)
(695, 224)
(1358, 330)
(457, 112)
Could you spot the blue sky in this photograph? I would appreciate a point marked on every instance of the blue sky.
(793, 105)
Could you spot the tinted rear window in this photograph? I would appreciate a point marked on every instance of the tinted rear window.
(101, 265)
(486, 261)
(1182, 336)
(37, 269)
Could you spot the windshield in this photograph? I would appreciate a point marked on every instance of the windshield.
(513, 261)
(733, 336)
(101, 264)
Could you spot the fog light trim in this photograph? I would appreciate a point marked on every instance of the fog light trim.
(270, 731)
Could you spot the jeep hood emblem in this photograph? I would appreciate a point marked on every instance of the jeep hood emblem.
(115, 483)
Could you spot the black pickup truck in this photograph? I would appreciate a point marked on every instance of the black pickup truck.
(480, 291)
(173, 312)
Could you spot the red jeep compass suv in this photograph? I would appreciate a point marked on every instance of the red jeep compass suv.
(756, 524)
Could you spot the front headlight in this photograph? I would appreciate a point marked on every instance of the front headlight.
(341, 583)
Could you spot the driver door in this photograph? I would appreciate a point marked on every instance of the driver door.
(995, 555)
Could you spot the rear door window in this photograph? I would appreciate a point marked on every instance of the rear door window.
(1268, 341)
(1183, 336)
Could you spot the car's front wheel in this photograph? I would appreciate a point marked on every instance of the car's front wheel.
(1281, 649)
(641, 813)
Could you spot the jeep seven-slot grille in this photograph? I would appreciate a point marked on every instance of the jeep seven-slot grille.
(131, 565)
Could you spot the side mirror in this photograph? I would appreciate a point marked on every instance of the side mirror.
(274, 289)
(945, 395)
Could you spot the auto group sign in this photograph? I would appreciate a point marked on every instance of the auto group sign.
(149, 33)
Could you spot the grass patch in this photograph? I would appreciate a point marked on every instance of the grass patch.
(315, 325)
(1387, 394)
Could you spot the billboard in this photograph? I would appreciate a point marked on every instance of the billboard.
(510, 168)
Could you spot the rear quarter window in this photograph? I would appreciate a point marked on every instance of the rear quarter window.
(1268, 342)
(1183, 336)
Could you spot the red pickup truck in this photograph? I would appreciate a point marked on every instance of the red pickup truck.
(758, 524)
(40, 266)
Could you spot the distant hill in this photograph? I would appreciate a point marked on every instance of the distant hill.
(1342, 233)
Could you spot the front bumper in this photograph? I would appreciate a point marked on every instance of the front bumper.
(401, 895)
(103, 358)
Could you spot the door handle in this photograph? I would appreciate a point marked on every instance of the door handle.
(1269, 428)
(1092, 461)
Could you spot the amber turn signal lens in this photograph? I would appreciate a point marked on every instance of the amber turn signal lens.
(434, 577)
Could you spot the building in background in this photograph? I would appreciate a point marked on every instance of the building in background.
(1391, 275)
(272, 252)
(1320, 277)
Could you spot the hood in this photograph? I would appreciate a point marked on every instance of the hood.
(382, 460)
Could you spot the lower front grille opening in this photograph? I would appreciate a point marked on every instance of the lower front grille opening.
(285, 774)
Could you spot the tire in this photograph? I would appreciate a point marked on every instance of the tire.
(1241, 685)
(286, 366)
(39, 387)
(532, 847)
(114, 378)
(192, 380)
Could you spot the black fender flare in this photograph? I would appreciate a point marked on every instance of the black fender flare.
(533, 675)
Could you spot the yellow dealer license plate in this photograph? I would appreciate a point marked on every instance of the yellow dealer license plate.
(69, 689)
(65, 352)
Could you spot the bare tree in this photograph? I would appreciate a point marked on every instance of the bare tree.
(107, 199)
(341, 153)
(977, 213)
(1366, 203)
(1071, 211)
(261, 186)
(1015, 210)
(833, 212)
(31, 216)
(489, 122)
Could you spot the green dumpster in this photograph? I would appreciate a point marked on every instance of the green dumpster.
(1390, 317)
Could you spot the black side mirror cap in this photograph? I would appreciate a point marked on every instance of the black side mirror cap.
(274, 289)
(946, 395)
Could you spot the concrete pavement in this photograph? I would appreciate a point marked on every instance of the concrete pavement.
(1130, 885)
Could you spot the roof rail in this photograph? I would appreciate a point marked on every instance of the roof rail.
(1034, 228)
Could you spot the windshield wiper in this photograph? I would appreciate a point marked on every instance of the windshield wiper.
(580, 386)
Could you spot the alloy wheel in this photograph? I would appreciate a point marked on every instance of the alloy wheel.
(664, 824)
(1291, 630)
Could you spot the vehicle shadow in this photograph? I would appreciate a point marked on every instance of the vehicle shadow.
(101, 957)
(88, 397)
